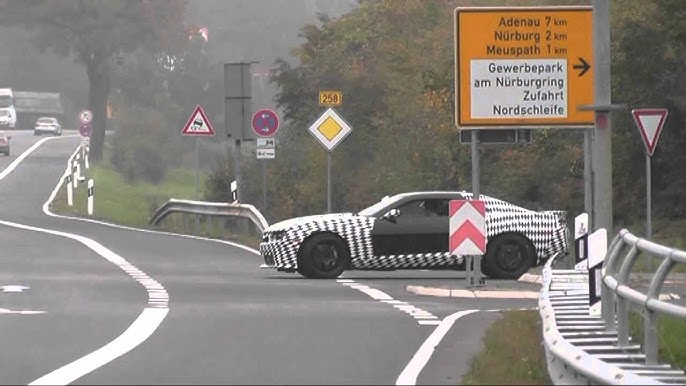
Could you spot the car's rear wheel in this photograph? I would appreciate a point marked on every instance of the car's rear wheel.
(509, 256)
(323, 256)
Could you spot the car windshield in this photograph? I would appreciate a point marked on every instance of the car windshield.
(376, 208)
(5, 101)
(3, 113)
(46, 121)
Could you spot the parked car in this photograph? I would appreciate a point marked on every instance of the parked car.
(410, 231)
(4, 143)
(47, 125)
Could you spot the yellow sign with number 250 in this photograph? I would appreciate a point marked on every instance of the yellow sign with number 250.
(330, 98)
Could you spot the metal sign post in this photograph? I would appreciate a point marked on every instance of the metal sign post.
(265, 149)
(237, 111)
(649, 123)
(328, 182)
(265, 124)
(467, 235)
(264, 185)
(329, 129)
(503, 84)
(197, 126)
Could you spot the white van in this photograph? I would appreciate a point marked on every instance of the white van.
(8, 114)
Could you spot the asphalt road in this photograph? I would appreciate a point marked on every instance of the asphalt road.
(228, 322)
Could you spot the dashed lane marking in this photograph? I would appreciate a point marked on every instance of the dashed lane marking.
(23, 312)
(421, 316)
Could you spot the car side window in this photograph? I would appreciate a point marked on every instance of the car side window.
(436, 207)
(432, 207)
(412, 208)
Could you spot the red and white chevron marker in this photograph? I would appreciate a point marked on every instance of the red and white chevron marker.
(467, 227)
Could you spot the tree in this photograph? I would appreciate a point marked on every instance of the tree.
(94, 33)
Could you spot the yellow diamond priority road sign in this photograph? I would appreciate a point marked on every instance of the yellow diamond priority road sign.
(330, 129)
(523, 66)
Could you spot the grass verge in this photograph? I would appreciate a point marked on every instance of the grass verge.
(671, 334)
(132, 203)
(512, 353)
(670, 233)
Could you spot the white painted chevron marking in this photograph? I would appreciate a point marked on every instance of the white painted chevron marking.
(467, 247)
(467, 213)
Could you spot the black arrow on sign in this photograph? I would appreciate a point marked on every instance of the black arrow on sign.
(584, 66)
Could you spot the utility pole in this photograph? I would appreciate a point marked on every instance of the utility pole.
(601, 140)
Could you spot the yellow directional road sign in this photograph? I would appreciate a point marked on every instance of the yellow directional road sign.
(523, 66)
(330, 129)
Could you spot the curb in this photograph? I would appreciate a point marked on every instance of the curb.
(460, 293)
(529, 278)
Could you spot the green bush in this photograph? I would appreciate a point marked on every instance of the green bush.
(143, 146)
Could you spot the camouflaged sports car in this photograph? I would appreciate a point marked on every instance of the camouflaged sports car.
(410, 231)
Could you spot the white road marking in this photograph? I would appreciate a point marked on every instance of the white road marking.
(14, 288)
(146, 323)
(417, 313)
(421, 358)
(429, 322)
(137, 333)
(25, 312)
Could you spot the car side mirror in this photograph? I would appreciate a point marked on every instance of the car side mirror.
(391, 215)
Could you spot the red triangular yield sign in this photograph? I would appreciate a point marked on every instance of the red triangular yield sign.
(650, 122)
(198, 124)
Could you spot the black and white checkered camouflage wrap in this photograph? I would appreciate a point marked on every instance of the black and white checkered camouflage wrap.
(542, 228)
(281, 242)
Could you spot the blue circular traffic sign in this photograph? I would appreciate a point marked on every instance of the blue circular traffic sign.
(86, 129)
(265, 122)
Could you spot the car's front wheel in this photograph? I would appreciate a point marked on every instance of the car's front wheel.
(324, 256)
(508, 256)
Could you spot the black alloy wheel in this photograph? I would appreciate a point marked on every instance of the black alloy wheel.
(509, 256)
(324, 256)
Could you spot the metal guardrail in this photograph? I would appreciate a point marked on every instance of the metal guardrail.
(218, 209)
(623, 254)
(584, 349)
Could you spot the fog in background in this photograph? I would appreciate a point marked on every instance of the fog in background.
(239, 30)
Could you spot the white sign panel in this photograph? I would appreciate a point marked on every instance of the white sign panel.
(265, 153)
(519, 88)
(266, 143)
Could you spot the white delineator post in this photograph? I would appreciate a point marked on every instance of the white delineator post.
(468, 235)
(597, 249)
(70, 190)
(581, 227)
(234, 191)
(79, 176)
(75, 174)
(90, 197)
(85, 157)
